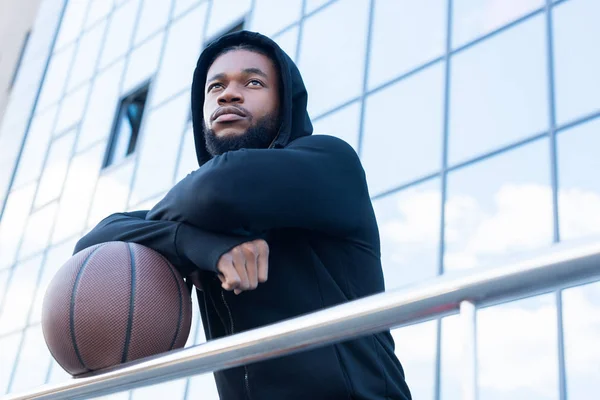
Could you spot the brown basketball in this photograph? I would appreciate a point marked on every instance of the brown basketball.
(112, 303)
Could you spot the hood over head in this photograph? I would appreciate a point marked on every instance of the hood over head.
(295, 121)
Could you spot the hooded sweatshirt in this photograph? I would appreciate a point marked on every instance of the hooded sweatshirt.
(307, 196)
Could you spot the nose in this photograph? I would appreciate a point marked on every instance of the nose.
(231, 94)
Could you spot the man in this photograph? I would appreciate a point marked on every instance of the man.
(274, 224)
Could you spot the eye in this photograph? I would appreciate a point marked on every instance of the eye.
(213, 86)
(255, 82)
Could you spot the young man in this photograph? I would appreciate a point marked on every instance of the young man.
(274, 224)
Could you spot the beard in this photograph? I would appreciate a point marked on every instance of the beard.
(258, 136)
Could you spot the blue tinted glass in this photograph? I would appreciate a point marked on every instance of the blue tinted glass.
(71, 109)
(498, 91)
(57, 73)
(579, 186)
(337, 38)
(187, 159)
(343, 124)
(403, 130)
(72, 22)
(419, 35)
(120, 29)
(88, 51)
(158, 152)
(576, 59)
(288, 41)
(19, 296)
(416, 350)
(12, 225)
(409, 227)
(33, 361)
(581, 325)
(37, 233)
(474, 18)
(517, 349)
(224, 15)
(143, 62)
(153, 17)
(271, 16)
(499, 207)
(183, 6)
(9, 346)
(98, 10)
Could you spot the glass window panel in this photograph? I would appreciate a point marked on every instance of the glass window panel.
(419, 36)
(167, 390)
(13, 223)
(183, 6)
(288, 41)
(312, 5)
(3, 281)
(475, 18)
(71, 109)
(86, 58)
(119, 33)
(225, 14)
(410, 147)
(499, 91)
(343, 124)
(98, 9)
(579, 186)
(581, 325)
(77, 196)
(54, 82)
(576, 64)
(184, 43)
(72, 22)
(56, 257)
(55, 169)
(416, 350)
(499, 206)
(143, 62)
(409, 225)
(102, 107)
(57, 374)
(19, 295)
(44, 28)
(158, 152)
(271, 16)
(203, 387)
(9, 346)
(33, 362)
(188, 161)
(154, 17)
(36, 146)
(452, 360)
(111, 192)
(37, 233)
(517, 350)
(339, 75)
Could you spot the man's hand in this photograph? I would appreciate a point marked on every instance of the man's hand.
(244, 266)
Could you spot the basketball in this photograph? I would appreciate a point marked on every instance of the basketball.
(113, 303)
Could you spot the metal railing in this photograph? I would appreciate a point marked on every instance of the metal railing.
(557, 268)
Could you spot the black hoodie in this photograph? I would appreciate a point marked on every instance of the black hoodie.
(307, 197)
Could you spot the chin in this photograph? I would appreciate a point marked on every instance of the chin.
(228, 132)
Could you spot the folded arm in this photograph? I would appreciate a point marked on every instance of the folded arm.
(315, 183)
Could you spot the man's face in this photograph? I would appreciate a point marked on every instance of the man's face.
(242, 95)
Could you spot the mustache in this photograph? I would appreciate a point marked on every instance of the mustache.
(239, 110)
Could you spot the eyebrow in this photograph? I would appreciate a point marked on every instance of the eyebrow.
(246, 71)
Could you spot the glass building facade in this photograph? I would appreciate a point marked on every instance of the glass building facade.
(477, 122)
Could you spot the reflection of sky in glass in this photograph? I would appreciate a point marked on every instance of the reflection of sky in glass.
(581, 325)
(13, 223)
(71, 109)
(37, 233)
(119, 32)
(409, 227)
(576, 58)
(419, 35)
(474, 18)
(143, 62)
(56, 75)
(342, 124)
(498, 91)
(499, 206)
(403, 130)
(579, 186)
(9, 345)
(87, 55)
(187, 159)
(337, 38)
(33, 362)
(288, 41)
(225, 14)
(153, 17)
(287, 12)
(416, 350)
(514, 365)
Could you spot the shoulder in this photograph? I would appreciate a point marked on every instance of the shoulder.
(327, 143)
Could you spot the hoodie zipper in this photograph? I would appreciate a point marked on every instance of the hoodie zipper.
(246, 380)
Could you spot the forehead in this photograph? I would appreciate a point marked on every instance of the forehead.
(235, 61)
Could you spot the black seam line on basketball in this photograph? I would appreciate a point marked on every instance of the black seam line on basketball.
(131, 303)
(72, 308)
(180, 301)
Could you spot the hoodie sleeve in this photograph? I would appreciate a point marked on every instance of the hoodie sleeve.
(184, 246)
(314, 183)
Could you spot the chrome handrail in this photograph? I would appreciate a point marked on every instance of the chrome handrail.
(559, 267)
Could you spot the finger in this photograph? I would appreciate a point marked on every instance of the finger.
(263, 262)
(251, 254)
(239, 262)
(230, 278)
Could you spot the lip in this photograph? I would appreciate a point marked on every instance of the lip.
(228, 114)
